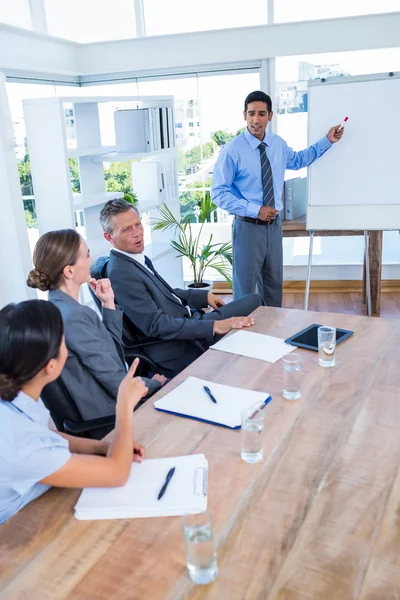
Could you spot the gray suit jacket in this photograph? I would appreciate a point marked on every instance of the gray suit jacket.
(94, 368)
(149, 303)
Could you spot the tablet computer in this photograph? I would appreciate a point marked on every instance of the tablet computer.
(308, 338)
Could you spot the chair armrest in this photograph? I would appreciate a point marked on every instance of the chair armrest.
(131, 353)
(79, 427)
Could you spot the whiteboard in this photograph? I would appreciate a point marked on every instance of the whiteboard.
(356, 183)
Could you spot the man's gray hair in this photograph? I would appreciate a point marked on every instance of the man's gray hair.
(113, 207)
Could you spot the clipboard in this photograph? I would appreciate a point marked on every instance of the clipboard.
(138, 498)
(188, 400)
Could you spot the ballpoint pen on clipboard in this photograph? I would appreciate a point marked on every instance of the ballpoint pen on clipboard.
(166, 483)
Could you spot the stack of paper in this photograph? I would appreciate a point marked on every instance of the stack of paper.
(189, 399)
(254, 345)
(186, 492)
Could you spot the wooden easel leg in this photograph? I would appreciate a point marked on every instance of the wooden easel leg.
(307, 293)
(364, 274)
(367, 272)
(375, 262)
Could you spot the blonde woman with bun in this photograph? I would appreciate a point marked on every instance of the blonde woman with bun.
(33, 457)
(95, 364)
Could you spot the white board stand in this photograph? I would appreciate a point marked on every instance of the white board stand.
(354, 185)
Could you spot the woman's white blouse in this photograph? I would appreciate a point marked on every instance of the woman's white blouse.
(29, 452)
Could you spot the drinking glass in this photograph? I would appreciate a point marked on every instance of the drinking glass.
(292, 376)
(252, 434)
(201, 556)
(326, 346)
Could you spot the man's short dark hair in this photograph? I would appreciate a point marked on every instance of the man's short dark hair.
(113, 207)
(258, 96)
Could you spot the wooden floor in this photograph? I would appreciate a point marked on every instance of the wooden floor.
(340, 302)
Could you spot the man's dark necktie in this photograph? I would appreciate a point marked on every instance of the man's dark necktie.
(267, 182)
(150, 265)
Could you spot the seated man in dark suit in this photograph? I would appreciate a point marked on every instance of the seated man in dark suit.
(156, 310)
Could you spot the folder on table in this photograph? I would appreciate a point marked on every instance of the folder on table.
(190, 400)
(186, 492)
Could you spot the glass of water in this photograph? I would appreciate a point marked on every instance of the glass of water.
(252, 434)
(200, 549)
(326, 346)
(292, 376)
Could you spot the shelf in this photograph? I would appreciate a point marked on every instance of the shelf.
(89, 151)
(81, 201)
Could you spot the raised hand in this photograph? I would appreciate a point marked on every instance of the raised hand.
(335, 133)
(131, 389)
(103, 290)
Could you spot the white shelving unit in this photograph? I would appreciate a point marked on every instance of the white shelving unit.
(57, 205)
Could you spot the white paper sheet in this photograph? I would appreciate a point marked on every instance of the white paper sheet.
(189, 399)
(254, 345)
(138, 497)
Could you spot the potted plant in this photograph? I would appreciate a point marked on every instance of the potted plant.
(217, 256)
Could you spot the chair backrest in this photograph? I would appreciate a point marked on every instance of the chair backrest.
(98, 270)
(60, 403)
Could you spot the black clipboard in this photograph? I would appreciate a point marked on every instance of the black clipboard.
(308, 338)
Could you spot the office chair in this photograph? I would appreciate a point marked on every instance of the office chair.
(132, 343)
(67, 417)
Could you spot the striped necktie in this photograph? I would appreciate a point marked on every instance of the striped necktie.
(267, 182)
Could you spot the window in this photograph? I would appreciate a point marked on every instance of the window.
(191, 124)
(307, 10)
(16, 12)
(91, 20)
(180, 16)
(218, 121)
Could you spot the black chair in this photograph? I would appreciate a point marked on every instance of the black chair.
(67, 417)
(133, 344)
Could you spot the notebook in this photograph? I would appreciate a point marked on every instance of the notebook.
(254, 345)
(190, 400)
(186, 492)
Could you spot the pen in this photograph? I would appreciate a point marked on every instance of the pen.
(165, 485)
(343, 123)
(209, 394)
(263, 405)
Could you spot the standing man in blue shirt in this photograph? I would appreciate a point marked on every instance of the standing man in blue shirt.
(248, 182)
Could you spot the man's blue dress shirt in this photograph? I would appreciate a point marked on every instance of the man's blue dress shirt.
(236, 183)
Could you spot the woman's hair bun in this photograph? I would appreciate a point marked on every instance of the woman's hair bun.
(9, 387)
(39, 280)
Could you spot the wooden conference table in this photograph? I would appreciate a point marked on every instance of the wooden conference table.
(318, 519)
(297, 228)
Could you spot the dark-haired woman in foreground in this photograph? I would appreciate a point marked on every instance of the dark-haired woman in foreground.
(95, 364)
(33, 457)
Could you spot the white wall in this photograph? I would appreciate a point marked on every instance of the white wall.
(15, 259)
(29, 51)
(26, 51)
(238, 45)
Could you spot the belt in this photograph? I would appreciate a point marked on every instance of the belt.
(255, 221)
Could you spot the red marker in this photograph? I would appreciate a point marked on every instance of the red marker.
(343, 123)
